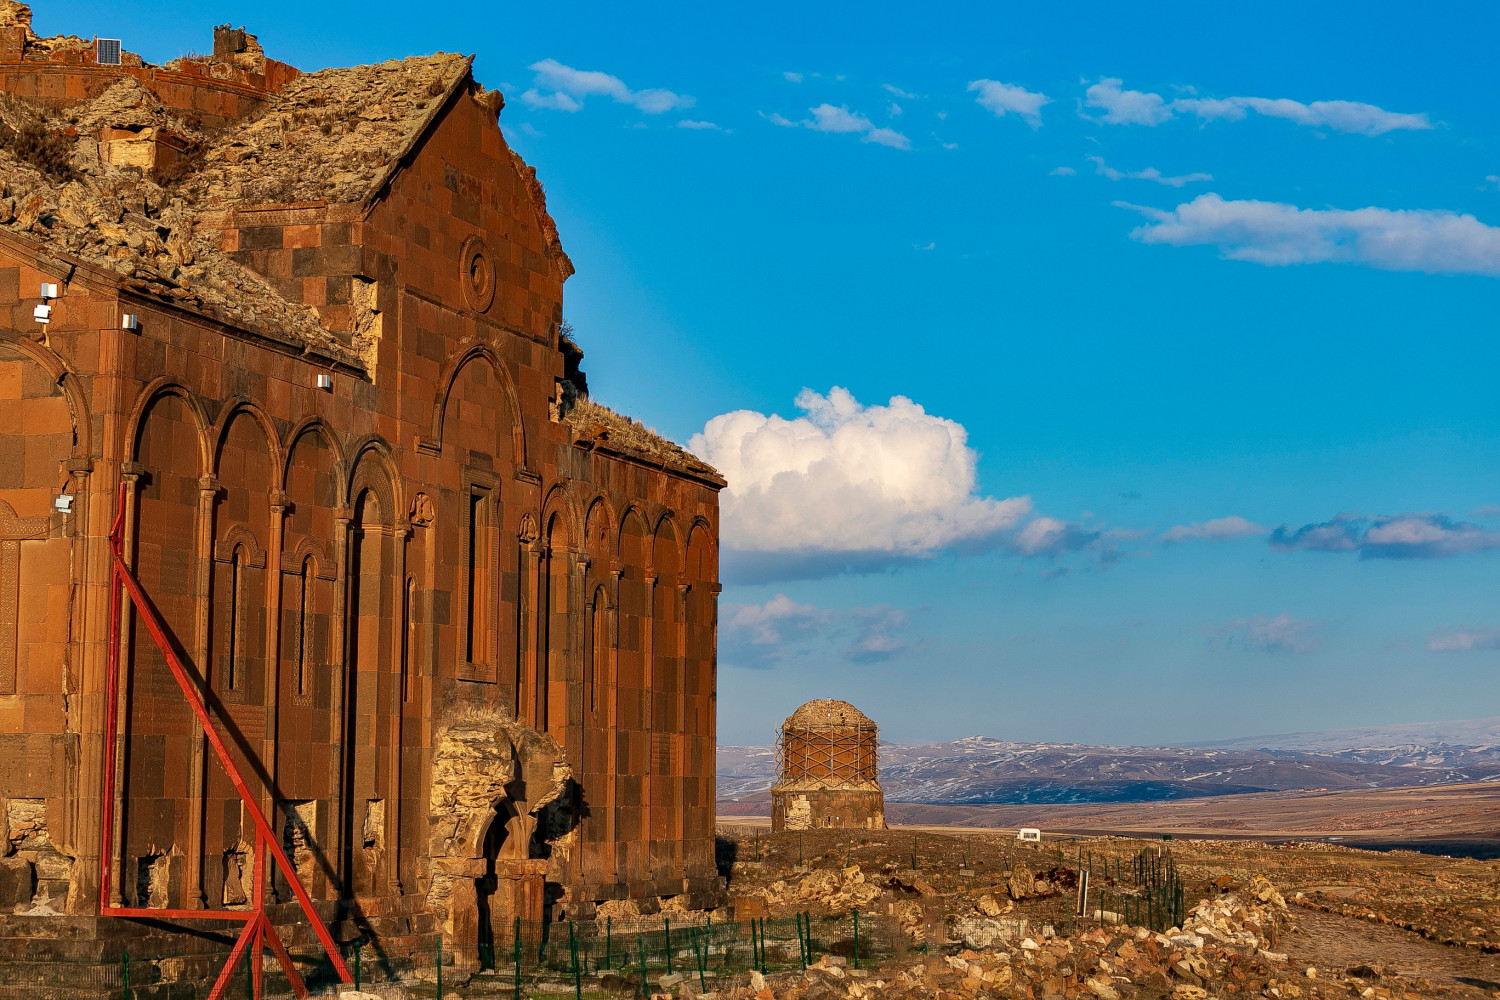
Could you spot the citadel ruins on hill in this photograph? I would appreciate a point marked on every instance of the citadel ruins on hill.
(455, 620)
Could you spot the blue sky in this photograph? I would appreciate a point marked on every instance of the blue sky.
(1191, 311)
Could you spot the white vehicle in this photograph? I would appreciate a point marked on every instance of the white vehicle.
(1029, 834)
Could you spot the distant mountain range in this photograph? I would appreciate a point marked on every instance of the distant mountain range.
(979, 770)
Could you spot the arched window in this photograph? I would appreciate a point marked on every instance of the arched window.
(597, 661)
(408, 634)
(236, 617)
(304, 623)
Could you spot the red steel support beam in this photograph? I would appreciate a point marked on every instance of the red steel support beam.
(258, 932)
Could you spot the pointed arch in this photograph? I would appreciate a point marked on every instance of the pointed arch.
(599, 535)
(368, 455)
(57, 369)
(155, 390)
(219, 430)
(316, 426)
(236, 537)
(452, 369)
(668, 553)
(561, 503)
(702, 553)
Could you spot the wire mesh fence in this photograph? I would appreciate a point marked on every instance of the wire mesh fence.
(596, 958)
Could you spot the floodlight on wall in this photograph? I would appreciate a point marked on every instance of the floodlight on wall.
(49, 290)
(325, 381)
(130, 321)
(63, 503)
(42, 313)
(107, 51)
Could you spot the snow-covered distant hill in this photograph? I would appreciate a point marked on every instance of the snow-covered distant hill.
(980, 770)
(1424, 744)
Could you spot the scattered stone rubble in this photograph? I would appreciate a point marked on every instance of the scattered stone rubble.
(835, 889)
(121, 220)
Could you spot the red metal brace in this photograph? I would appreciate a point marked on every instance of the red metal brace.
(258, 934)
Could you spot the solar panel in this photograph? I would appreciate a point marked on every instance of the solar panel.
(107, 51)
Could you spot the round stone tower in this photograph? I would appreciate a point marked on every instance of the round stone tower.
(828, 752)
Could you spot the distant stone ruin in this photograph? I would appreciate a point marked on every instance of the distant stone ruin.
(829, 770)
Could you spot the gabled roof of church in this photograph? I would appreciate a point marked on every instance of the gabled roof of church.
(336, 137)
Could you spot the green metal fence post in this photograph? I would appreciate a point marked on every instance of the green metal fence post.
(359, 946)
(609, 930)
(700, 954)
(440, 968)
(640, 943)
(856, 939)
(517, 949)
(573, 957)
(250, 977)
(126, 960)
(667, 927)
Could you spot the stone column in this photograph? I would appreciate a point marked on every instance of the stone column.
(196, 892)
(338, 634)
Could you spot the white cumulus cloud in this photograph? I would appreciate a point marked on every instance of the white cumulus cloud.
(1135, 107)
(1149, 174)
(1274, 233)
(1233, 526)
(563, 88)
(1126, 107)
(876, 482)
(1001, 99)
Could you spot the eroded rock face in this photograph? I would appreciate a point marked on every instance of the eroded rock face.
(488, 769)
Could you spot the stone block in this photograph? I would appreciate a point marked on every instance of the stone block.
(17, 882)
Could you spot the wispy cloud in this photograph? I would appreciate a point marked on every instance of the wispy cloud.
(1119, 106)
(1001, 99)
(791, 77)
(701, 125)
(563, 88)
(1217, 529)
(1465, 640)
(878, 634)
(760, 636)
(1063, 172)
(839, 119)
(1149, 174)
(1400, 536)
(895, 91)
(1281, 634)
(1273, 233)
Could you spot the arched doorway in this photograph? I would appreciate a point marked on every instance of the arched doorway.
(505, 840)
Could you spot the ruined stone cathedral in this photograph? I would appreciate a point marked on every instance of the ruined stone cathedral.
(454, 620)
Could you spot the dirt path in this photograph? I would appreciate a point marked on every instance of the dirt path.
(1334, 944)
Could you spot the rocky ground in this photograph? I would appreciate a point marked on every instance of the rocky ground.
(1292, 922)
